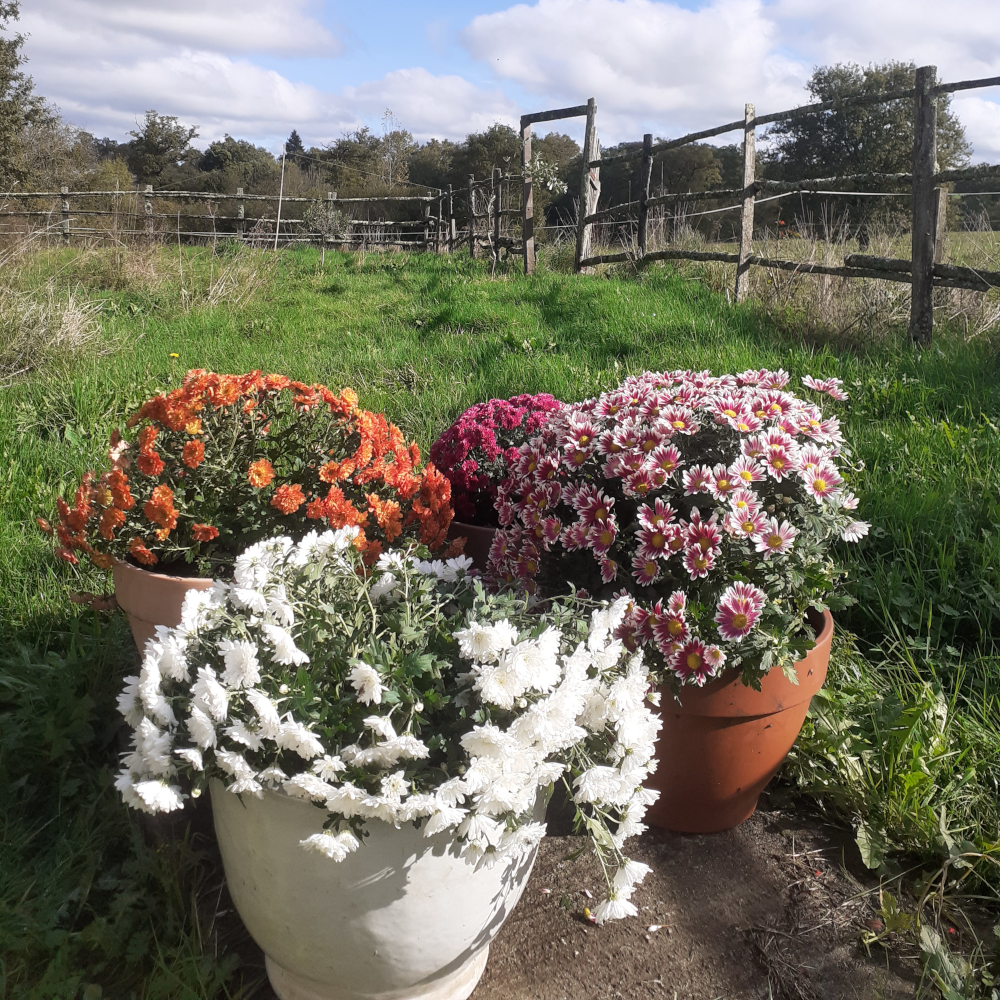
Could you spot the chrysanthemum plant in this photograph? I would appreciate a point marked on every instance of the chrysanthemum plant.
(226, 460)
(406, 694)
(477, 451)
(712, 503)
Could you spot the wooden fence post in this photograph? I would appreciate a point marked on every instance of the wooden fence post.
(647, 173)
(940, 223)
(472, 216)
(427, 226)
(924, 204)
(527, 201)
(64, 191)
(451, 220)
(240, 215)
(746, 219)
(148, 207)
(497, 188)
(590, 185)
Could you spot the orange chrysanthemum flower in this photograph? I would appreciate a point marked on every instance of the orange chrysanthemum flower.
(260, 473)
(159, 508)
(204, 532)
(277, 381)
(140, 553)
(44, 525)
(111, 519)
(193, 454)
(288, 498)
(120, 494)
(388, 515)
(102, 560)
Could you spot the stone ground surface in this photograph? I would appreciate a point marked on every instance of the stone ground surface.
(772, 909)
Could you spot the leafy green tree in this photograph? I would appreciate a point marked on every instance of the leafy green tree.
(431, 164)
(497, 146)
(19, 105)
(396, 146)
(861, 138)
(233, 163)
(294, 147)
(158, 143)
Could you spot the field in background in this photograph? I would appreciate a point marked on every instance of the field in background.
(905, 743)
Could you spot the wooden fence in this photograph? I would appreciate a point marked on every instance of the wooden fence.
(490, 210)
(924, 271)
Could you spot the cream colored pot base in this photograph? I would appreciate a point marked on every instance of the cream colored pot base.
(458, 986)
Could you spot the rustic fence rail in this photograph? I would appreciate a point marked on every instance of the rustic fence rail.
(927, 195)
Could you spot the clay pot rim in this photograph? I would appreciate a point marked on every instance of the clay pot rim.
(121, 564)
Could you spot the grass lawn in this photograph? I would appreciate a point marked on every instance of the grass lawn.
(905, 743)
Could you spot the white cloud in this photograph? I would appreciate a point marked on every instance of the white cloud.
(650, 65)
(656, 66)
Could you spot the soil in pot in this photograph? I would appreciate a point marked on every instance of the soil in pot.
(722, 744)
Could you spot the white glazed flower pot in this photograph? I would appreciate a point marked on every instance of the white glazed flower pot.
(402, 917)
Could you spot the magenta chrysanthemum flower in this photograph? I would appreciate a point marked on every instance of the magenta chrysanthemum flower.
(775, 539)
(698, 563)
(602, 536)
(747, 524)
(823, 482)
(738, 610)
(679, 420)
(665, 457)
(658, 516)
(652, 543)
(639, 484)
(670, 630)
(697, 480)
(690, 663)
(746, 471)
(745, 422)
(744, 502)
(831, 386)
(646, 570)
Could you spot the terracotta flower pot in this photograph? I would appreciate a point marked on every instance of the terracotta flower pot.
(477, 544)
(725, 741)
(151, 599)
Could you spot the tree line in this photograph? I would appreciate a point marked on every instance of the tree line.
(38, 150)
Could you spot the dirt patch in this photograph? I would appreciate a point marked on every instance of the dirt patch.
(769, 909)
(772, 910)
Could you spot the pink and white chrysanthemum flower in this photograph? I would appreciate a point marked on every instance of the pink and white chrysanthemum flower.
(746, 471)
(715, 658)
(854, 531)
(638, 484)
(746, 525)
(704, 535)
(609, 405)
(738, 610)
(669, 631)
(626, 435)
(743, 501)
(574, 537)
(607, 445)
(727, 406)
(609, 570)
(744, 422)
(753, 447)
(649, 440)
(698, 563)
(779, 463)
(658, 516)
(677, 602)
(773, 404)
(680, 420)
(811, 457)
(689, 663)
(823, 483)
(775, 539)
(697, 479)
(665, 457)
(646, 619)
(652, 543)
(752, 377)
(646, 570)
(831, 386)
(775, 380)
(675, 538)
(602, 536)
(848, 501)
(654, 405)
(593, 505)
(722, 482)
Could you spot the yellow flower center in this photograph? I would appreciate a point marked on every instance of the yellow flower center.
(740, 622)
(693, 661)
(775, 541)
(819, 485)
(675, 627)
(679, 424)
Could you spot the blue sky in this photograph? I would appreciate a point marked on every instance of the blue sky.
(258, 68)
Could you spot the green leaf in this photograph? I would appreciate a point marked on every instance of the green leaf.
(871, 843)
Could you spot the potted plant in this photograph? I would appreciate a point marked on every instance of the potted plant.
(379, 746)
(475, 455)
(226, 460)
(713, 504)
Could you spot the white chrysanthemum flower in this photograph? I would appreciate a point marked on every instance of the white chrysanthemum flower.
(452, 791)
(173, 659)
(381, 725)
(285, 650)
(200, 607)
(158, 796)
(602, 784)
(192, 756)
(346, 799)
(383, 587)
(854, 531)
(234, 763)
(365, 680)
(308, 786)
(485, 642)
(615, 907)
(125, 786)
(154, 748)
(272, 777)
(336, 846)
(328, 767)
(395, 786)
(209, 695)
(128, 702)
(540, 659)
(481, 828)
(201, 728)
(378, 807)
(393, 560)
(403, 747)
(244, 598)
(241, 734)
(277, 604)
(456, 566)
(242, 666)
(267, 713)
(488, 741)
(445, 818)
(295, 736)
(246, 784)
(522, 838)
(631, 874)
